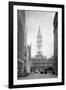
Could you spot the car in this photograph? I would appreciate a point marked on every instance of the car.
(49, 70)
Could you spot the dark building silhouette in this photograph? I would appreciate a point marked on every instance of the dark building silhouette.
(20, 32)
(55, 24)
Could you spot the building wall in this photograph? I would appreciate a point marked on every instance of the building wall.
(42, 64)
(56, 35)
(55, 24)
(20, 41)
(20, 32)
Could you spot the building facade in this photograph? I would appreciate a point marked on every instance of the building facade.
(22, 48)
(55, 24)
(20, 33)
(40, 64)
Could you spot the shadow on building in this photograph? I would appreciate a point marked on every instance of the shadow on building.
(55, 24)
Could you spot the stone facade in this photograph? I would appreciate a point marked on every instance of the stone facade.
(40, 64)
(20, 33)
(21, 48)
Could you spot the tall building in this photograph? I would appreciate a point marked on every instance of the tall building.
(22, 47)
(39, 45)
(55, 24)
(20, 32)
(20, 41)
(38, 63)
(39, 42)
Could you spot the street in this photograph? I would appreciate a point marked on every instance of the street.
(38, 76)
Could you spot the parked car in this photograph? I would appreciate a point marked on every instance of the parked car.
(49, 70)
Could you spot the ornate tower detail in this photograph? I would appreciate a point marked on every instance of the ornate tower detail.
(39, 42)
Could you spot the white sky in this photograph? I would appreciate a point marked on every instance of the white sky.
(45, 20)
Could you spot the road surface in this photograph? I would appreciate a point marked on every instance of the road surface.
(38, 76)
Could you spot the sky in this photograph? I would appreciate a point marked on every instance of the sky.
(34, 19)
